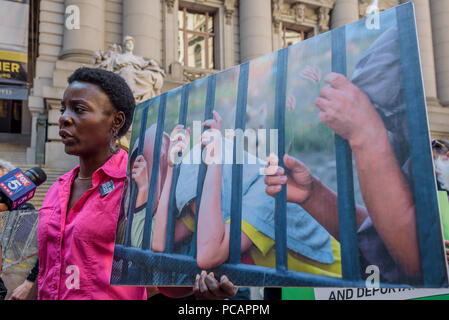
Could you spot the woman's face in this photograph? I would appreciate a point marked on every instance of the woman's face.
(87, 116)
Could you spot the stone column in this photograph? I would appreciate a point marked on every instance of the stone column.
(344, 12)
(228, 34)
(255, 29)
(80, 44)
(142, 20)
(423, 22)
(170, 32)
(31, 150)
(440, 30)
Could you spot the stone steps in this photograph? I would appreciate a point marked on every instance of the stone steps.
(41, 191)
(13, 153)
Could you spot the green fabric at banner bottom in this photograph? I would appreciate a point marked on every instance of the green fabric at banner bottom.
(298, 294)
(309, 294)
(444, 214)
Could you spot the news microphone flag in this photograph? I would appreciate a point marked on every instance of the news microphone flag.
(17, 187)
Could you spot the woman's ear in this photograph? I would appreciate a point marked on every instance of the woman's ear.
(119, 121)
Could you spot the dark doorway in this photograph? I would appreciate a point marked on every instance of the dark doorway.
(11, 116)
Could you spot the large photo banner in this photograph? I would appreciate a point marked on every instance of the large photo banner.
(310, 166)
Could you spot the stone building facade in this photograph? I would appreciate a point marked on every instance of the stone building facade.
(193, 38)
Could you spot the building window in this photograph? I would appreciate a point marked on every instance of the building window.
(291, 36)
(196, 38)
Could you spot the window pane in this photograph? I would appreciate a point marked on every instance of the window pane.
(196, 21)
(196, 51)
(180, 18)
(292, 37)
(211, 53)
(210, 24)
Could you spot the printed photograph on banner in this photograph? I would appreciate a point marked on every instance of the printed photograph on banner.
(309, 166)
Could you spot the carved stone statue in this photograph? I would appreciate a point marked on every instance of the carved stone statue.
(300, 11)
(323, 19)
(144, 77)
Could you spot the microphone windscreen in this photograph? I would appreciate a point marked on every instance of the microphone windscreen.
(37, 175)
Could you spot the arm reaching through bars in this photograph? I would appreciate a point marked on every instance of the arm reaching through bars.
(308, 191)
(213, 233)
(348, 111)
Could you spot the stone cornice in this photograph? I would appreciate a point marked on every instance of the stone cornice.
(307, 13)
(313, 3)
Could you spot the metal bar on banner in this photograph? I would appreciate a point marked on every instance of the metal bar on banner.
(281, 198)
(235, 237)
(133, 186)
(345, 182)
(132, 201)
(426, 204)
(210, 103)
(170, 234)
(146, 245)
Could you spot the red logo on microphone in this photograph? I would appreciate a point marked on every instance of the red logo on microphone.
(24, 180)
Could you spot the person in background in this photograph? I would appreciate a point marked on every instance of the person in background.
(440, 153)
(5, 167)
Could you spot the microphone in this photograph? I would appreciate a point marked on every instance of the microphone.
(17, 187)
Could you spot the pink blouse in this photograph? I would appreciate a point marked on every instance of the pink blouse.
(76, 249)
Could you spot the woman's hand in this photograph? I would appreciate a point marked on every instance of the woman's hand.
(3, 207)
(206, 287)
(211, 140)
(298, 178)
(179, 141)
(139, 173)
(348, 111)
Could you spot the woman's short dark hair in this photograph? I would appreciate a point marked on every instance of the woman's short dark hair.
(115, 88)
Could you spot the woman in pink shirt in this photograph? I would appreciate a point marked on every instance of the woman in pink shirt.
(78, 219)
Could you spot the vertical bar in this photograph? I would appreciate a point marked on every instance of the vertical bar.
(428, 223)
(235, 238)
(170, 234)
(133, 196)
(280, 209)
(186, 54)
(146, 245)
(345, 186)
(133, 186)
(206, 39)
(210, 102)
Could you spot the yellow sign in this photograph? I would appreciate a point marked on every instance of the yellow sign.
(13, 66)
